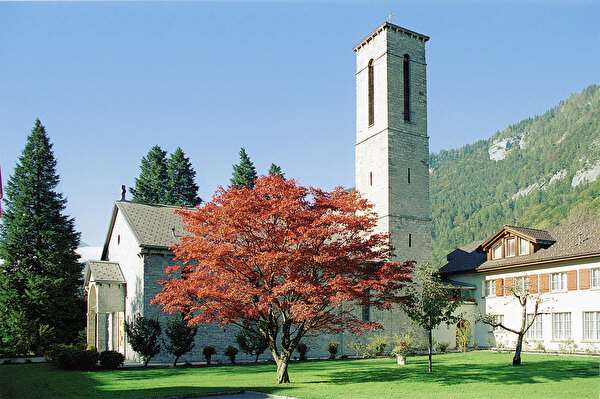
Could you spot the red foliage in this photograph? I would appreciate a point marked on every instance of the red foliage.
(284, 256)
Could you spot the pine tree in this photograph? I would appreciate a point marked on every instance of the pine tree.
(41, 273)
(181, 187)
(244, 173)
(151, 186)
(276, 170)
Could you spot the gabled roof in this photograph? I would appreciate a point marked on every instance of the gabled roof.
(536, 236)
(153, 226)
(571, 241)
(102, 271)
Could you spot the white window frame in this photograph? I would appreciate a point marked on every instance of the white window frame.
(535, 331)
(507, 253)
(490, 288)
(561, 326)
(497, 247)
(521, 285)
(595, 277)
(523, 244)
(498, 318)
(591, 326)
(558, 282)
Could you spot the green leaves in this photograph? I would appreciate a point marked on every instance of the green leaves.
(41, 271)
(244, 173)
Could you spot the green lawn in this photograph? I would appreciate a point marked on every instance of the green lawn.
(474, 375)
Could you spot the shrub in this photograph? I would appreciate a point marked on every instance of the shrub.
(208, 351)
(302, 349)
(230, 352)
(443, 346)
(378, 343)
(333, 349)
(250, 343)
(360, 349)
(143, 334)
(68, 357)
(110, 360)
(181, 337)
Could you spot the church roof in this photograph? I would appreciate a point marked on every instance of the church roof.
(564, 242)
(102, 271)
(389, 25)
(153, 226)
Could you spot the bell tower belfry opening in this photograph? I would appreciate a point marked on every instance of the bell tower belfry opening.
(392, 146)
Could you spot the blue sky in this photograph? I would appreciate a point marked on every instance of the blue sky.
(109, 80)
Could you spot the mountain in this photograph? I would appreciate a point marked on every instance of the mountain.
(540, 172)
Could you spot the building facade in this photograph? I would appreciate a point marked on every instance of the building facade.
(559, 266)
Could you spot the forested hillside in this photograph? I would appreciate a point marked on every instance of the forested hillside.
(537, 173)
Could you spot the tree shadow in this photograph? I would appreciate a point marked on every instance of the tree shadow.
(451, 373)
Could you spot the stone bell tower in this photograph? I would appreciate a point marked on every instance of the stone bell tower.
(392, 146)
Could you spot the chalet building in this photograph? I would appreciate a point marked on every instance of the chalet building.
(560, 265)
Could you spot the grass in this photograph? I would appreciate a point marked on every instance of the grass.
(456, 375)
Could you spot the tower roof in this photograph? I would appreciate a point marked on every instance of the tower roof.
(387, 25)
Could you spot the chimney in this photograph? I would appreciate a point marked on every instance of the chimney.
(123, 191)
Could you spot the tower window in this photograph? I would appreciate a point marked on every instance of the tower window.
(406, 73)
(370, 178)
(410, 240)
(371, 94)
(408, 176)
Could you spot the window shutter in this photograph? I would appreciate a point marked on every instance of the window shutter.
(572, 280)
(584, 279)
(544, 280)
(499, 287)
(533, 283)
(509, 285)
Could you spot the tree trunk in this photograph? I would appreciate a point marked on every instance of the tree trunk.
(429, 333)
(175, 362)
(517, 358)
(282, 369)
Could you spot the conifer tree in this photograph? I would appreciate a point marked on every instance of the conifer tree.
(151, 186)
(41, 273)
(276, 170)
(181, 187)
(244, 173)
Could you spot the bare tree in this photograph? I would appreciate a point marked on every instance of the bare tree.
(523, 295)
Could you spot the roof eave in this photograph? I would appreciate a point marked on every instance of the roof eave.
(387, 25)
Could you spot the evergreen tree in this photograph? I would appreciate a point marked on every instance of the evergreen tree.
(181, 188)
(151, 186)
(181, 337)
(276, 170)
(244, 173)
(41, 273)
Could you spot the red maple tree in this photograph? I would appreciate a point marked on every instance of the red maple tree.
(279, 260)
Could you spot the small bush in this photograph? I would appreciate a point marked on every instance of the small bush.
(230, 352)
(378, 343)
(111, 360)
(302, 349)
(333, 349)
(208, 351)
(68, 357)
(443, 346)
(344, 357)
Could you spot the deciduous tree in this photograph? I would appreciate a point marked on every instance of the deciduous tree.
(244, 173)
(522, 295)
(181, 337)
(430, 303)
(143, 335)
(40, 275)
(279, 260)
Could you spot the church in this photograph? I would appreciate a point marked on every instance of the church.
(392, 172)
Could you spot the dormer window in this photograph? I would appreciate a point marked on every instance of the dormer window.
(523, 247)
(510, 247)
(497, 251)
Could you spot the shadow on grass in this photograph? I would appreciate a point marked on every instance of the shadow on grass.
(452, 373)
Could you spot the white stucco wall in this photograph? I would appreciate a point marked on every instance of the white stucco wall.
(575, 302)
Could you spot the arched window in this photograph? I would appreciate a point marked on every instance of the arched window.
(406, 72)
(371, 94)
